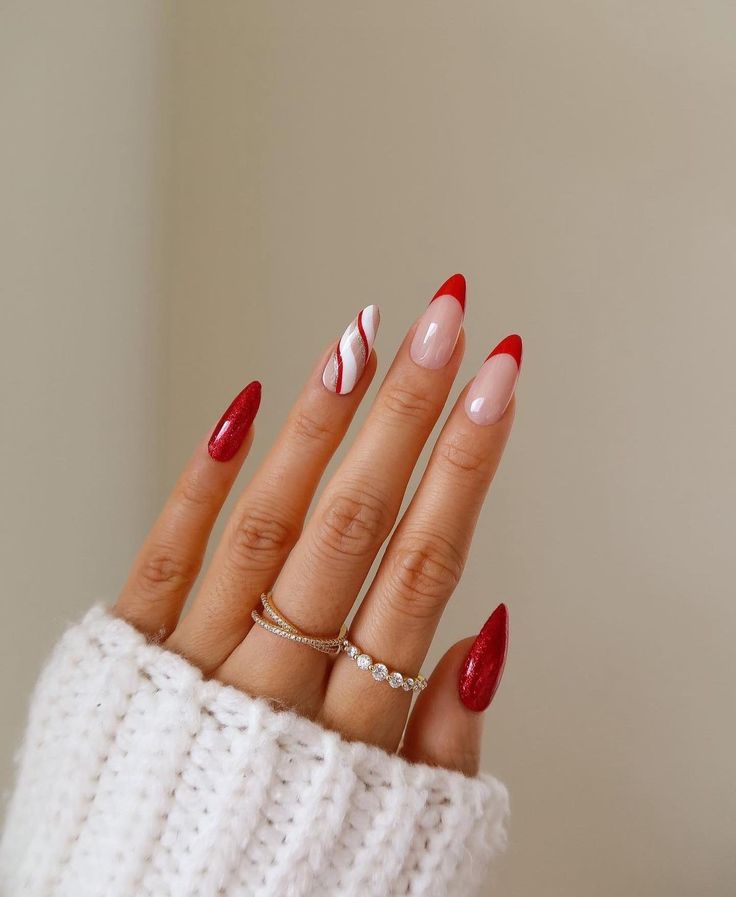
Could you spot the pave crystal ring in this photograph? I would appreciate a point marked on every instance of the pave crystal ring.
(380, 671)
(272, 620)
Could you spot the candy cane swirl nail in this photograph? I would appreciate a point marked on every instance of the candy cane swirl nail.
(349, 359)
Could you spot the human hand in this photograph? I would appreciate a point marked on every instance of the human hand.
(317, 569)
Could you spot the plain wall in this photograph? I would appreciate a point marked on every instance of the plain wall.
(82, 91)
(575, 161)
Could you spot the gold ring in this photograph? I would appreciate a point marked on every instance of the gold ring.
(274, 621)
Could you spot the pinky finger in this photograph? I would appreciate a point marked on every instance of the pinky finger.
(446, 726)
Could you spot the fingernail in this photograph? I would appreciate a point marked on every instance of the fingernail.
(483, 667)
(228, 435)
(439, 326)
(348, 361)
(491, 391)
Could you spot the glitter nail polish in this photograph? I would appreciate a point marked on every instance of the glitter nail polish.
(233, 426)
(483, 667)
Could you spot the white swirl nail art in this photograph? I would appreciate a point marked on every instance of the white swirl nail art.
(349, 359)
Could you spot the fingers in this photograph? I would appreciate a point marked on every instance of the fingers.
(169, 561)
(326, 570)
(269, 515)
(422, 565)
(446, 726)
(359, 505)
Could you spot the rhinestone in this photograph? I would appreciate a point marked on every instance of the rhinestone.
(352, 651)
(395, 680)
(408, 684)
(364, 661)
(379, 671)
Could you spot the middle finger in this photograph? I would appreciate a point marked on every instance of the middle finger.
(324, 573)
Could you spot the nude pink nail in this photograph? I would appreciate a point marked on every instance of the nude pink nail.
(491, 391)
(439, 327)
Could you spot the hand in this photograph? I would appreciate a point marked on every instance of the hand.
(317, 569)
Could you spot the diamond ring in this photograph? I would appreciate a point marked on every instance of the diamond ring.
(380, 671)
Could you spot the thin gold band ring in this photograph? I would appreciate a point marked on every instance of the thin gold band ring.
(273, 620)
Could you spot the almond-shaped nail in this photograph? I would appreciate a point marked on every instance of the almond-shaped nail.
(481, 672)
(439, 327)
(494, 384)
(348, 361)
(233, 426)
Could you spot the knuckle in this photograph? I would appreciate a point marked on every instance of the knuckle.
(408, 403)
(195, 491)
(423, 574)
(260, 540)
(310, 429)
(462, 456)
(162, 572)
(355, 523)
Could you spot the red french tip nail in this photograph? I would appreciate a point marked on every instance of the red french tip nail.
(453, 286)
(483, 667)
(510, 345)
(233, 426)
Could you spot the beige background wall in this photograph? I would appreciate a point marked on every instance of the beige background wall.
(197, 196)
(82, 97)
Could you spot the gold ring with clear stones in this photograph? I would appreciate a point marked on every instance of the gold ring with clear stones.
(380, 671)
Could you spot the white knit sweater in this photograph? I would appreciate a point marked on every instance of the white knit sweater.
(138, 778)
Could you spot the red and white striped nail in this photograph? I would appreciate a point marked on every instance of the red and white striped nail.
(348, 361)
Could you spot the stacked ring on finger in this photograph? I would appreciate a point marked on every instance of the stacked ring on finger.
(274, 621)
(380, 671)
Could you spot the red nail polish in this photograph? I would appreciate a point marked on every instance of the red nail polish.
(453, 286)
(483, 667)
(228, 435)
(509, 345)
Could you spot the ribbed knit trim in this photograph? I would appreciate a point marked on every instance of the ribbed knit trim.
(139, 778)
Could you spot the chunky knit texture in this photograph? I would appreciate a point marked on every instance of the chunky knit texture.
(138, 777)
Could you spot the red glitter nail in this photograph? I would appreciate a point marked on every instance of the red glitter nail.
(483, 667)
(235, 423)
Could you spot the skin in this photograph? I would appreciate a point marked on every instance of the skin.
(319, 565)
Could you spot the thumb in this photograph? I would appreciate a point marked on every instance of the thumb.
(446, 726)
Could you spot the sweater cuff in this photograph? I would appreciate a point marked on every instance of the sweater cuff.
(138, 776)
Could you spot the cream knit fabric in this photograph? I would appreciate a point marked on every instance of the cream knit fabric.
(138, 778)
